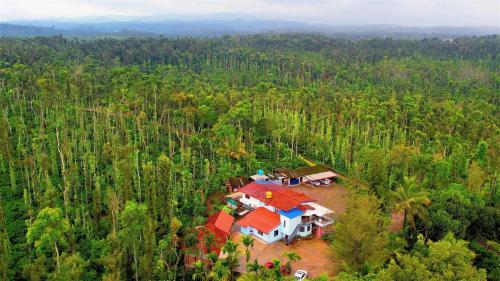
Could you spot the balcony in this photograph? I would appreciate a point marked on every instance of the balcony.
(323, 221)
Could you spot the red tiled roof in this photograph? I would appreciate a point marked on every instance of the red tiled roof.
(258, 190)
(305, 207)
(219, 240)
(224, 221)
(219, 224)
(261, 219)
(283, 198)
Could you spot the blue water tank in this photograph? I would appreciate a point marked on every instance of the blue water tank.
(260, 172)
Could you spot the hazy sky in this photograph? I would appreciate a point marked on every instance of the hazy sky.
(337, 12)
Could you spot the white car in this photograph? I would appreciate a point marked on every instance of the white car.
(326, 181)
(300, 275)
(315, 183)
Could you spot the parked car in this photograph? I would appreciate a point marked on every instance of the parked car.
(326, 181)
(315, 183)
(300, 275)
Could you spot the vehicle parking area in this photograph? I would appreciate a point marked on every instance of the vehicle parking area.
(331, 196)
(316, 256)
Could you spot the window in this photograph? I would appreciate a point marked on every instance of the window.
(308, 228)
(302, 229)
(260, 232)
(276, 232)
(247, 196)
(284, 223)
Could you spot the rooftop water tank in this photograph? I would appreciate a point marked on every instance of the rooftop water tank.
(269, 195)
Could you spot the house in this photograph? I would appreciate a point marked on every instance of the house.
(297, 176)
(275, 212)
(218, 226)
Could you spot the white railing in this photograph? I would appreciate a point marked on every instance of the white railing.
(323, 221)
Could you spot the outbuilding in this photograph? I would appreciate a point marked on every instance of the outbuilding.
(306, 174)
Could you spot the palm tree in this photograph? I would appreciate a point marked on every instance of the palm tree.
(247, 242)
(255, 267)
(231, 260)
(220, 272)
(291, 257)
(409, 198)
(209, 241)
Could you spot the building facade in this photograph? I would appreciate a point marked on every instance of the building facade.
(275, 212)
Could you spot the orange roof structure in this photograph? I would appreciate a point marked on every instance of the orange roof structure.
(219, 224)
(222, 221)
(305, 207)
(283, 198)
(261, 219)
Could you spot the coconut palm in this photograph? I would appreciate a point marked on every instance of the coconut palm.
(410, 199)
(247, 242)
(231, 260)
(255, 267)
(291, 257)
(220, 272)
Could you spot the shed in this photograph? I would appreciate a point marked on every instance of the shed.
(235, 183)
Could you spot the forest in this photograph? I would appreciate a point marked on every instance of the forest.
(111, 150)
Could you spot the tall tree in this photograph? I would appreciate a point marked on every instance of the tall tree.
(361, 233)
(230, 249)
(290, 258)
(248, 242)
(448, 259)
(49, 233)
(131, 233)
(410, 199)
(5, 250)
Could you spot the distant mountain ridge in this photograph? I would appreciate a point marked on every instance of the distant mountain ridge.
(218, 27)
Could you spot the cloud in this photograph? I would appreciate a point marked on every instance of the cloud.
(337, 12)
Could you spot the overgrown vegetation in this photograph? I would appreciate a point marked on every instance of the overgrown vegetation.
(110, 148)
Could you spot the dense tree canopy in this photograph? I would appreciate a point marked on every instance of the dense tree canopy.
(110, 150)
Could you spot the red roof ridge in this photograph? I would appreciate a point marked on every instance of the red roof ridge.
(283, 198)
(261, 219)
(222, 221)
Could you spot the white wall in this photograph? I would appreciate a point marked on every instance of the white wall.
(290, 224)
(268, 237)
(253, 202)
(307, 230)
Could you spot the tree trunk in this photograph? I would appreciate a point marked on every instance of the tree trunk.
(136, 267)
(404, 219)
(57, 258)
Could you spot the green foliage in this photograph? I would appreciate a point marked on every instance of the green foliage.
(462, 212)
(411, 200)
(49, 231)
(248, 242)
(72, 268)
(361, 234)
(487, 259)
(5, 250)
(291, 257)
(114, 150)
(448, 259)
